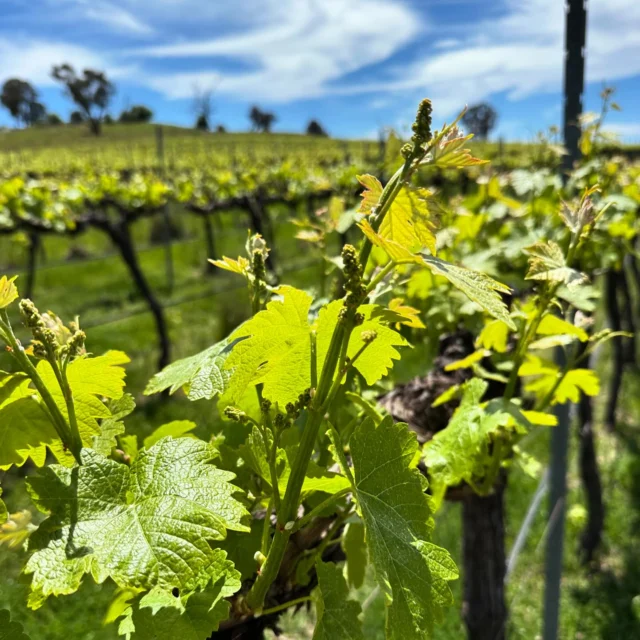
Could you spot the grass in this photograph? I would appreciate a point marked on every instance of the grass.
(596, 603)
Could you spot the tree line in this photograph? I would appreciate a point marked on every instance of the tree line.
(92, 93)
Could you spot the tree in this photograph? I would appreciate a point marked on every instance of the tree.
(91, 91)
(202, 123)
(108, 119)
(314, 128)
(137, 113)
(21, 99)
(261, 121)
(76, 117)
(221, 129)
(202, 107)
(53, 119)
(480, 119)
(37, 113)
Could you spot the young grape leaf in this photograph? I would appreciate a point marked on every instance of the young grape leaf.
(553, 325)
(275, 352)
(89, 379)
(477, 286)
(112, 427)
(449, 151)
(25, 429)
(545, 377)
(371, 194)
(355, 548)
(376, 360)
(408, 221)
(202, 376)
(547, 262)
(17, 529)
(10, 630)
(8, 291)
(337, 614)
(411, 571)
(468, 362)
(174, 429)
(494, 336)
(458, 452)
(144, 526)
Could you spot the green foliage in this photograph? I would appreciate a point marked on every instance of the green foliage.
(163, 511)
(10, 630)
(459, 452)
(202, 376)
(159, 615)
(355, 548)
(337, 615)
(411, 571)
(3, 510)
(175, 429)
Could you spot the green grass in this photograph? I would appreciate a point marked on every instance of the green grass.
(596, 604)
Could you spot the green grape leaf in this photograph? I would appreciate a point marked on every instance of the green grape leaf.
(377, 359)
(468, 362)
(408, 221)
(144, 526)
(458, 452)
(477, 286)
(552, 325)
(275, 352)
(89, 379)
(10, 630)
(494, 336)
(159, 615)
(411, 571)
(337, 615)
(174, 429)
(547, 262)
(25, 429)
(202, 376)
(355, 548)
(112, 427)
(545, 376)
(8, 291)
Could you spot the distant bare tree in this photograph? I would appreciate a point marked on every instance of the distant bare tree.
(261, 121)
(202, 107)
(480, 119)
(91, 91)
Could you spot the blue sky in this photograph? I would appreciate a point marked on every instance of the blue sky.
(356, 65)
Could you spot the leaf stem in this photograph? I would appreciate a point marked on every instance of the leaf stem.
(286, 605)
(336, 497)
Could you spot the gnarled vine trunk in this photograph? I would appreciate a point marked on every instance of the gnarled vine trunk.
(121, 238)
(484, 608)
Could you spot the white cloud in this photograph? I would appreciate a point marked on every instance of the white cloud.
(627, 131)
(104, 12)
(301, 47)
(520, 53)
(33, 60)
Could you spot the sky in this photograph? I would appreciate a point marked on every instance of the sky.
(355, 65)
